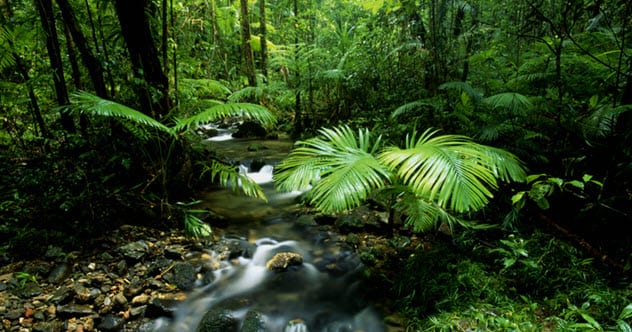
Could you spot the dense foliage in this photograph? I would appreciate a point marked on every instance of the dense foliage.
(99, 102)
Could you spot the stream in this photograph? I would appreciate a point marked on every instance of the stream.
(321, 293)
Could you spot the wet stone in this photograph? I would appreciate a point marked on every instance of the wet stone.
(74, 310)
(253, 322)
(281, 261)
(182, 275)
(111, 323)
(48, 327)
(59, 273)
(218, 320)
(135, 250)
(30, 289)
(162, 307)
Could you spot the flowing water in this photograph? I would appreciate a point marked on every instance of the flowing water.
(323, 294)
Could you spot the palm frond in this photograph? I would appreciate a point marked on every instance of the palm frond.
(422, 215)
(247, 93)
(450, 170)
(339, 163)
(246, 110)
(87, 103)
(514, 102)
(7, 60)
(230, 177)
(462, 87)
(412, 107)
(203, 88)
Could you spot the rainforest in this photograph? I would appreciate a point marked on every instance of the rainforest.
(315, 165)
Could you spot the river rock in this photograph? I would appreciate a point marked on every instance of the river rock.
(182, 275)
(254, 321)
(135, 250)
(218, 320)
(111, 323)
(74, 310)
(48, 327)
(282, 260)
(30, 289)
(59, 273)
(362, 218)
(162, 307)
(250, 129)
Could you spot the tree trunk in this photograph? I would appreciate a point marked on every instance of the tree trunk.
(144, 56)
(263, 39)
(249, 66)
(94, 67)
(47, 18)
(298, 111)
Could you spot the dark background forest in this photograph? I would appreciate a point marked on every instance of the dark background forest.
(100, 99)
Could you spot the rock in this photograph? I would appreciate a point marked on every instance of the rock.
(161, 307)
(305, 220)
(30, 289)
(360, 219)
(253, 322)
(74, 310)
(111, 323)
(135, 250)
(59, 273)
(182, 275)
(141, 299)
(120, 301)
(281, 261)
(295, 325)
(218, 320)
(62, 295)
(250, 129)
(48, 327)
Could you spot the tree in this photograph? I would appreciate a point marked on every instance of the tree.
(47, 18)
(134, 19)
(431, 179)
(248, 61)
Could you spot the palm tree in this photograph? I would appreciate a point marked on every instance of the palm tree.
(432, 179)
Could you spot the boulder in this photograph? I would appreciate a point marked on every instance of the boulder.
(282, 260)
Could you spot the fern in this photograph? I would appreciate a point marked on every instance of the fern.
(513, 102)
(84, 102)
(462, 87)
(250, 111)
(7, 60)
(414, 106)
(230, 177)
(203, 88)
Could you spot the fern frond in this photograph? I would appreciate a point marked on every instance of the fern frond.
(245, 110)
(203, 88)
(230, 177)
(7, 60)
(340, 165)
(462, 87)
(87, 103)
(450, 170)
(247, 93)
(514, 102)
(413, 107)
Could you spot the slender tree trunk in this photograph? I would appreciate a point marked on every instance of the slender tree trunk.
(92, 64)
(165, 38)
(263, 39)
(75, 73)
(106, 53)
(47, 18)
(249, 66)
(144, 56)
(298, 111)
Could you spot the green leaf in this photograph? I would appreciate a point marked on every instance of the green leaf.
(517, 197)
(85, 102)
(587, 177)
(244, 110)
(577, 184)
(623, 326)
(626, 312)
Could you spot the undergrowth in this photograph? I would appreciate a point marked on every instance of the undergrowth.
(517, 282)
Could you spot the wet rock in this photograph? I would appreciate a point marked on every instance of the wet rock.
(218, 320)
(62, 295)
(30, 289)
(182, 275)
(359, 219)
(48, 327)
(74, 310)
(120, 301)
(59, 273)
(135, 250)
(250, 129)
(111, 323)
(282, 260)
(141, 299)
(162, 307)
(253, 322)
(305, 220)
(138, 311)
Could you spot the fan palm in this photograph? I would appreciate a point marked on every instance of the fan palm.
(434, 177)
